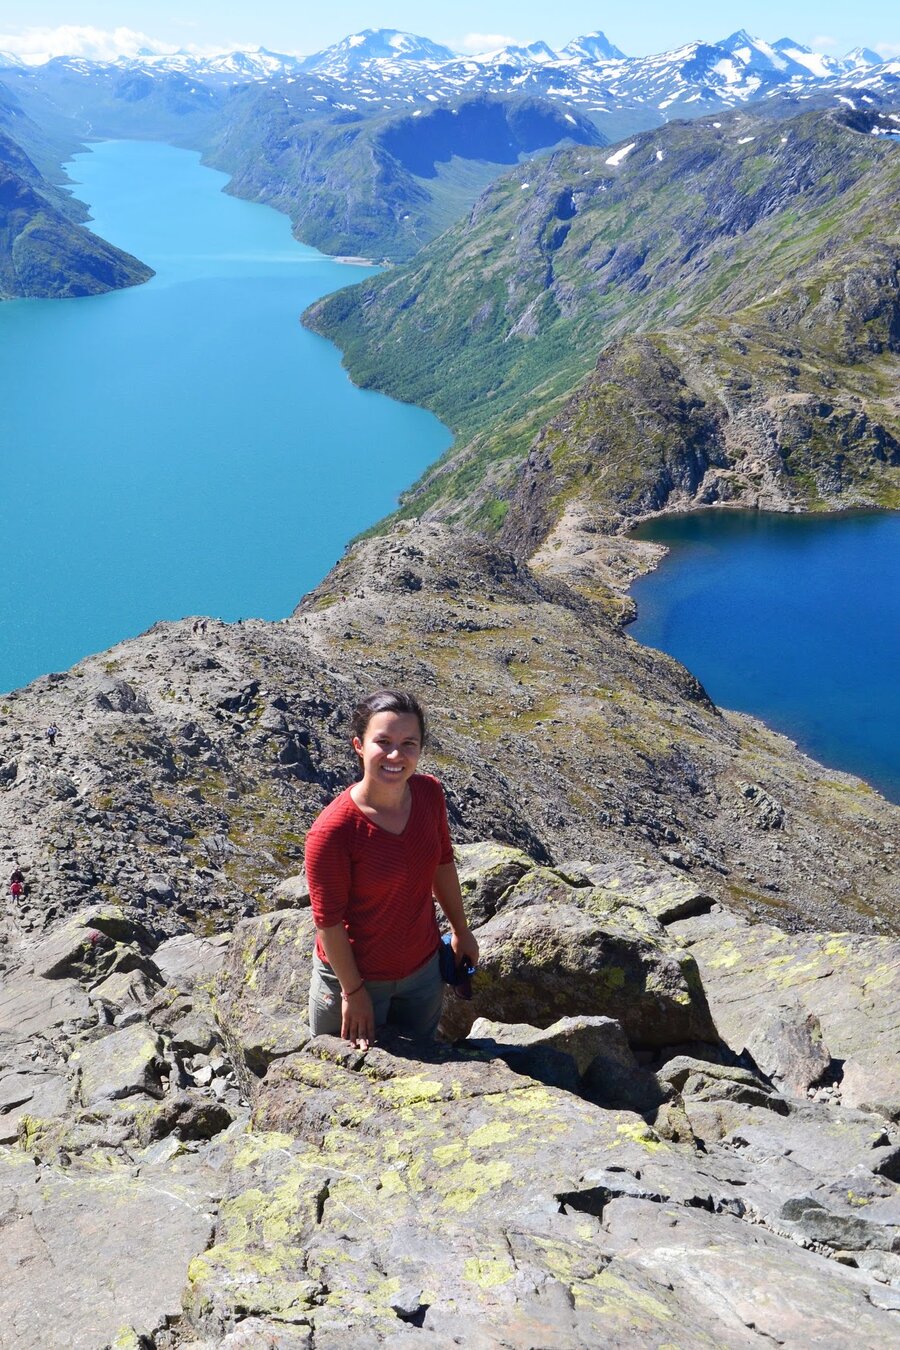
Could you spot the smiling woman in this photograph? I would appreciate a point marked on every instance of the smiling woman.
(376, 859)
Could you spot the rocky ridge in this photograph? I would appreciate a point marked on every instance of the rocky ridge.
(688, 988)
(599, 335)
(189, 765)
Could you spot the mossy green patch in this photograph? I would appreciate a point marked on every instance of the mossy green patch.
(488, 1272)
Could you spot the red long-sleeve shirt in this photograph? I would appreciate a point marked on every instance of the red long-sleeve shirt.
(378, 884)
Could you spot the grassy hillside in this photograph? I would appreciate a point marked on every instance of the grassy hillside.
(43, 253)
(762, 255)
(380, 186)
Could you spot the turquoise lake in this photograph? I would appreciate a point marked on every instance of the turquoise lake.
(185, 446)
(793, 618)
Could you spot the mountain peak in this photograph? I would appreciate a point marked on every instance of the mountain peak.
(373, 44)
(596, 46)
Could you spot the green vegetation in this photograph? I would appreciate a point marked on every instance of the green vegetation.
(758, 260)
(380, 186)
(42, 251)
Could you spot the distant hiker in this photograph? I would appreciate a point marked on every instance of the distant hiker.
(17, 875)
(375, 860)
(17, 888)
(52, 732)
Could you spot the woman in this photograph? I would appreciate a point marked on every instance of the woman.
(375, 858)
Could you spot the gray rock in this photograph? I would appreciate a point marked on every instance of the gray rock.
(847, 981)
(84, 1256)
(665, 893)
(187, 960)
(263, 990)
(486, 872)
(41, 1095)
(114, 695)
(786, 1044)
(588, 1055)
(121, 1064)
(409, 1176)
(763, 1285)
(159, 887)
(123, 990)
(292, 892)
(546, 961)
(31, 1007)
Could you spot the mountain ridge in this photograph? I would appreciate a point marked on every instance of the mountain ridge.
(774, 243)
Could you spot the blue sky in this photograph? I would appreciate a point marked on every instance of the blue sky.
(283, 25)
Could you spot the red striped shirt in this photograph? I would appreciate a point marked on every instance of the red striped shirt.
(378, 884)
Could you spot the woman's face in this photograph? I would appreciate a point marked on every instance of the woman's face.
(390, 748)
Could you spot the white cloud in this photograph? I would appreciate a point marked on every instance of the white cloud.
(888, 49)
(823, 41)
(35, 45)
(484, 42)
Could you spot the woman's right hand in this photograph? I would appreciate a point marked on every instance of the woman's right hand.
(358, 1018)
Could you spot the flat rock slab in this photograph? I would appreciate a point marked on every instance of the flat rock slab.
(84, 1257)
(187, 959)
(399, 1189)
(43, 1095)
(851, 983)
(119, 1065)
(34, 1007)
(749, 1280)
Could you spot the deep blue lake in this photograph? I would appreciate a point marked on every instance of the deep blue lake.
(182, 447)
(793, 618)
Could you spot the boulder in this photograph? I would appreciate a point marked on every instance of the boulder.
(262, 992)
(187, 960)
(292, 892)
(486, 873)
(545, 961)
(29, 1093)
(121, 1064)
(123, 989)
(786, 1044)
(664, 892)
(849, 982)
(587, 1055)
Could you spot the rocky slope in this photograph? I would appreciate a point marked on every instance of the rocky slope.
(656, 886)
(43, 251)
(189, 765)
(756, 256)
(379, 185)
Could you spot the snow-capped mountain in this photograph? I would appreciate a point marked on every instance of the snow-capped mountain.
(381, 68)
(375, 44)
(257, 64)
(593, 47)
(519, 58)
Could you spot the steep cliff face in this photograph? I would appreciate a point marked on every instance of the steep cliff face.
(43, 253)
(757, 258)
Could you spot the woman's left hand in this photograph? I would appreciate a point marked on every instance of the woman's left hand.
(465, 945)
